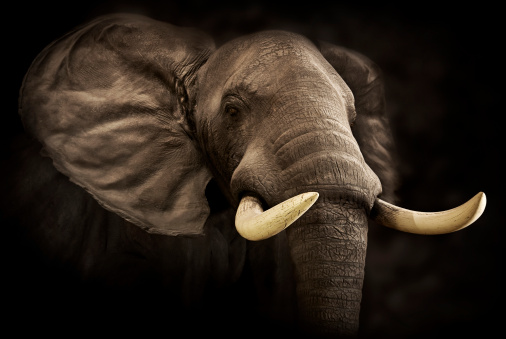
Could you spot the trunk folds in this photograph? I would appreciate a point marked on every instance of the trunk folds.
(328, 247)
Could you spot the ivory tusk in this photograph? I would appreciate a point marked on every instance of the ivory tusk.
(429, 223)
(254, 224)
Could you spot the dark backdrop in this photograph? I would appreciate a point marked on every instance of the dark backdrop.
(443, 74)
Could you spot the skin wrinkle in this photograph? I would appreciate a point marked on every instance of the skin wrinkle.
(270, 46)
(302, 126)
(343, 90)
(290, 95)
(325, 269)
(340, 143)
(330, 301)
(339, 251)
(315, 55)
(336, 281)
(286, 90)
(343, 294)
(242, 88)
(326, 266)
(322, 124)
(344, 302)
(336, 232)
(295, 173)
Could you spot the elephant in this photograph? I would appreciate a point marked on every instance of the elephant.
(151, 155)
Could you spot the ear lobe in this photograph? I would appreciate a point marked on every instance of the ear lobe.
(371, 128)
(107, 103)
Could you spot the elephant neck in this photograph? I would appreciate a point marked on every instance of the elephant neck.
(328, 248)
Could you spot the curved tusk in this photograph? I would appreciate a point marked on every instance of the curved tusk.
(429, 223)
(254, 224)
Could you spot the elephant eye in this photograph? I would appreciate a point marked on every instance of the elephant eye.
(233, 105)
(231, 110)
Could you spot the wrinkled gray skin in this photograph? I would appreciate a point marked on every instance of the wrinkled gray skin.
(271, 114)
(313, 151)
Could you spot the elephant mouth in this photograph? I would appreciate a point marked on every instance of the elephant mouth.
(253, 223)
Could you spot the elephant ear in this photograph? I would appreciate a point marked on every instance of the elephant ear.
(371, 128)
(108, 101)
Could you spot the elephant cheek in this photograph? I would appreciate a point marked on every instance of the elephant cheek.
(328, 248)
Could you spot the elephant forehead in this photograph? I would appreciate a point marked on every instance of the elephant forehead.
(269, 56)
(279, 47)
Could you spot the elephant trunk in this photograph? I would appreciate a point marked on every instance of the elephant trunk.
(328, 247)
(317, 153)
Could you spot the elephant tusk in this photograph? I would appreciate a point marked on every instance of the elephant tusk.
(429, 223)
(254, 224)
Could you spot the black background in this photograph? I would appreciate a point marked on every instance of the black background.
(443, 71)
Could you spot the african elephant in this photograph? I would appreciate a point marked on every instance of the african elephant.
(164, 136)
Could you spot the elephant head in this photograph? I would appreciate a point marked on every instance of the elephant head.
(143, 114)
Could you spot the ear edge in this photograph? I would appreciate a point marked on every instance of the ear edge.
(372, 128)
